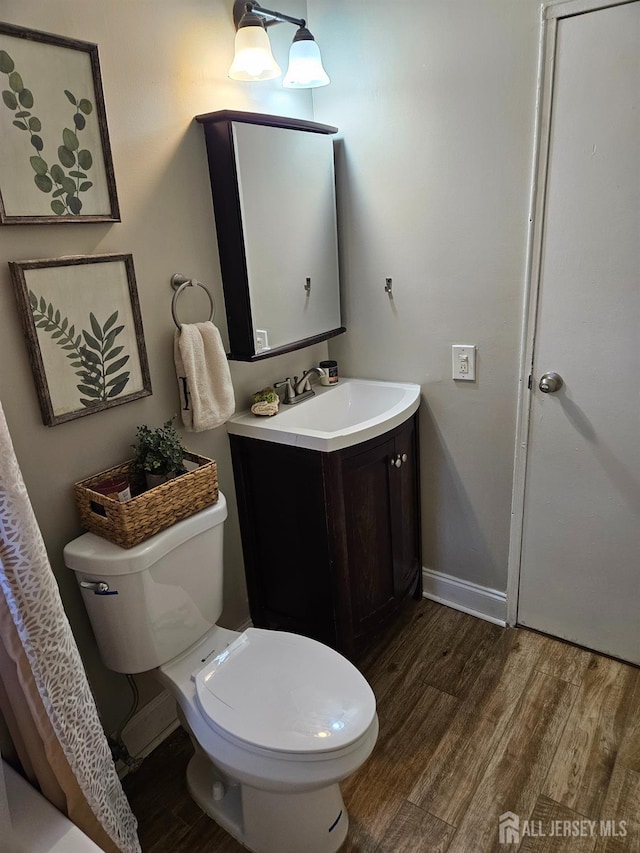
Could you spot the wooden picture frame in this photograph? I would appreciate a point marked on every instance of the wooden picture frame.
(82, 322)
(55, 157)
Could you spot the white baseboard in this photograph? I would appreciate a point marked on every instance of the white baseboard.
(469, 597)
(151, 725)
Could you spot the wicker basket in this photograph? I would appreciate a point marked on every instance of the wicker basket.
(148, 512)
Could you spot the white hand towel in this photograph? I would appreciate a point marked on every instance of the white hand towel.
(204, 379)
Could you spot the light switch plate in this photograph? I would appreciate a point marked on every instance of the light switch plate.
(464, 362)
(262, 340)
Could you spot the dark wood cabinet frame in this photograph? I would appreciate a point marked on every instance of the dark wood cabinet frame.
(226, 204)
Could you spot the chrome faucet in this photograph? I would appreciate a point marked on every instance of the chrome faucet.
(304, 385)
(296, 390)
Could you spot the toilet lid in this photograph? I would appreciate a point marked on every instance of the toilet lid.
(285, 693)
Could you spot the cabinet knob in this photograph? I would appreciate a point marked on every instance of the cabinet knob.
(404, 457)
(398, 460)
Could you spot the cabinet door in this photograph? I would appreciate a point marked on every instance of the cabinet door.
(272, 180)
(405, 508)
(286, 190)
(284, 537)
(369, 539)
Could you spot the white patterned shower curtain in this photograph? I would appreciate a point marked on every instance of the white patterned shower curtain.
(45, 697)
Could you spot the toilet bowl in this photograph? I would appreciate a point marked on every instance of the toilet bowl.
(277, 720)
(282, 719)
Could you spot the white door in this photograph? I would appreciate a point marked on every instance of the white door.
(580, 557)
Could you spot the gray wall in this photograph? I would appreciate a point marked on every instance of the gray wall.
(162, 63)
(435, 102)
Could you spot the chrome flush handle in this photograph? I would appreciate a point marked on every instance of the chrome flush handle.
(99, 587)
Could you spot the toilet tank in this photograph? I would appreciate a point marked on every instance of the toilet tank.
(149, 603)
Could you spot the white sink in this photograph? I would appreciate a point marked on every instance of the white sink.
(341, 415)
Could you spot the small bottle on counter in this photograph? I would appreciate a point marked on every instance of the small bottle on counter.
(330, 372)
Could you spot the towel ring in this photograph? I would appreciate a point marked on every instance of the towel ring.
(179, 282)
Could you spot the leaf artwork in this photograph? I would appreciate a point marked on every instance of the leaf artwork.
(65, 187)
(93, 355)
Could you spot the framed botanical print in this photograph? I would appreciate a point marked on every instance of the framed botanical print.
(82, 323)
(55, 157)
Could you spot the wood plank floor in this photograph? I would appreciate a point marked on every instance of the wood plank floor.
(475, 721)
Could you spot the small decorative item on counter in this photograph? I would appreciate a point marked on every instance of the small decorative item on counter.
(114, 487)
(159, 453)
(330, 372)
(265, 402)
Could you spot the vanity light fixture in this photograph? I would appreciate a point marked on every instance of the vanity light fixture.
(253, 59)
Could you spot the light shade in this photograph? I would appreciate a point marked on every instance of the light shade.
(253, 59)
(305, 69)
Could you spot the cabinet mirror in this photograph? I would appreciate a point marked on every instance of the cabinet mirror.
(273, 188)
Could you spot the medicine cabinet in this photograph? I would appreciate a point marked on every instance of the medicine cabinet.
(273, 189)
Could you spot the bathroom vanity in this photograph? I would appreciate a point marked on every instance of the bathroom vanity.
(331, 539)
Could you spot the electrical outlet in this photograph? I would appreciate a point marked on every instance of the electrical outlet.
(262, 340)
(463, 362)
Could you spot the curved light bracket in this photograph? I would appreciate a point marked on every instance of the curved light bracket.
(268, 16)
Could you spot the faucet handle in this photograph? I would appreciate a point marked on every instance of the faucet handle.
(289, 393)
(305, 385)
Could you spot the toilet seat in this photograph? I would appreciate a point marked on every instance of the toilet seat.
(284, 693)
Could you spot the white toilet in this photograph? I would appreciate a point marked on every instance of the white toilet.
(277, 720)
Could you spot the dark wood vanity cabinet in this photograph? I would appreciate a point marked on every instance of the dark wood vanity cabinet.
(331, 541)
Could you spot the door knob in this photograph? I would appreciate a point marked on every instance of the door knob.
(550, 382)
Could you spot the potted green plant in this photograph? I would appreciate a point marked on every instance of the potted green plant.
(159, 453)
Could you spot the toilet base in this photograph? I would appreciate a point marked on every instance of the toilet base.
(269, 821)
